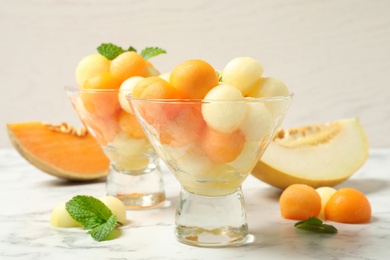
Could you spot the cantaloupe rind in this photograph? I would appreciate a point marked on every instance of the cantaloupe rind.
(66, 156)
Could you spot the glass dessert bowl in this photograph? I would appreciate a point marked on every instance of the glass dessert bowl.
(134, 175)
(211, 146)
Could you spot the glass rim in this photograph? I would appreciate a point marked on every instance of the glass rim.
(92, 90)
(289, 96)
(195, 101)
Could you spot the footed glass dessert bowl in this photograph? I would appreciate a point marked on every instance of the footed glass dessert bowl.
(211, 147)
(134, 176)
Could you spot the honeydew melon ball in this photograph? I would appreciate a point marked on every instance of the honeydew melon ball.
(257, 123)
(91, 66)
(192, 161)
(245, 161)
(60, 217)
(325, 194)
(116, 206)
(165, 76)
(243, 73)
(221, 116)
(268, 87)
(126, 88)
(151, 71)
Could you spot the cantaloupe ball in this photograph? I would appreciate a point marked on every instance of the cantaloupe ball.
(325, 193)
(126, 88)
(242, 73)
(348, 205)
(268, 87)
(61, 218)
(90, 66)
(257, 122)
(299, 202)
(116, 206)
(222, 147)
(223, 116)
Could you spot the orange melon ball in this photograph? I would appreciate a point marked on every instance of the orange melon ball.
(193, 78)
(103, 129)
(348, 205)
(222, 147)
(185, 129)
(104, 80)
(299, 202)
(156, 88)
(128, 64)
(128, 124)
(101, 103)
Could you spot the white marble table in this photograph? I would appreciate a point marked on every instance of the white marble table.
(28, 196)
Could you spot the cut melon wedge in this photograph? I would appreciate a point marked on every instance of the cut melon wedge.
(64, 155)
(316, 155)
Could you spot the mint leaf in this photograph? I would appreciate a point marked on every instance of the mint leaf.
(93, 215)
(150, 52)
(131, 48)
(315, 225)
(219, 76)
(103, 230)
(110, 51)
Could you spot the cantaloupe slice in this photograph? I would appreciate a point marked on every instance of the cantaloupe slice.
(317, 155)
(65, 155)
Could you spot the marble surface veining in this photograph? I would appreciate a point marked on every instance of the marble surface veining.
(28, 197)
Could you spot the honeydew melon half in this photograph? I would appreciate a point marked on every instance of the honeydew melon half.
(317, 155)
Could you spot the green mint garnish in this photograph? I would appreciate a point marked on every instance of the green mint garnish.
(131, 48)
(109, 50)
(93, 215)
(150, 52)
(315, 225)
(219, 76)
(100, 232)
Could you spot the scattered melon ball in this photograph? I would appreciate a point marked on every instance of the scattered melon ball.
(348, 205)
(60, 217)
(91, 66)
(116, 206)
(268, 87)
(223, 116)
(243, 73)
(325, 194)
(126, 88)
(299, 202)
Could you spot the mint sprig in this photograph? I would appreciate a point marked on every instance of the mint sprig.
(150, 52)
(315, 225)
(111, 51)
(93, 215)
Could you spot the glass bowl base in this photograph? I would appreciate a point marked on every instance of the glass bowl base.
(138, 190)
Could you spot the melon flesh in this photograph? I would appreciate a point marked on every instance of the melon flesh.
(60, 154)
(317, 155)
